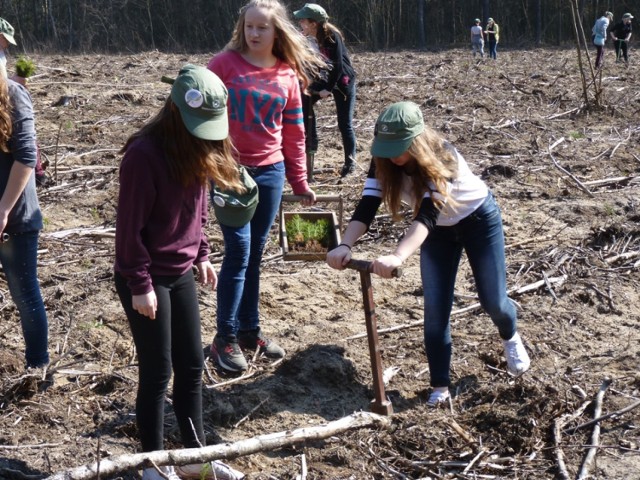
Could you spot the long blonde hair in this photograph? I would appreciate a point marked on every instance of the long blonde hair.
(188, 158)
(434, 165)
(6, 125)
(290, 46)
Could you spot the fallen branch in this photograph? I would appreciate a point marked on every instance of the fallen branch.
(604, 417)
(566, 172)
(271, 441)
(595, 435)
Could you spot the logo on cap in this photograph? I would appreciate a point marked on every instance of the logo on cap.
(194, 98)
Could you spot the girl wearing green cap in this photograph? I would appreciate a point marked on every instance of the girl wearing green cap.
(453, 210)
(339, 82)
(162, 211)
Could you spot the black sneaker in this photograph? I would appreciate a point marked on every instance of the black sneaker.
(227, 354)
(347, 169)
(250, 340)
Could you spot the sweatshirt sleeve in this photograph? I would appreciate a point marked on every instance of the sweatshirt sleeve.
(135, 201)
(293, 140)
(23, 138)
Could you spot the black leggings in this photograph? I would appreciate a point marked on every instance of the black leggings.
(172, 338)
(621, 50)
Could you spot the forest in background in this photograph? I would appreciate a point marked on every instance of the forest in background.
(85, 26)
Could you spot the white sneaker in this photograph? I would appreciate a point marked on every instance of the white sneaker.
(439, 396)
(518, 360)
(152, 473)
(215, 470)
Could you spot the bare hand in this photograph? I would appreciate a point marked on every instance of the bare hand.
(207, 274)
(385, 265)
(146, 304)
(309, 198)
(324, 93)
(339, 257)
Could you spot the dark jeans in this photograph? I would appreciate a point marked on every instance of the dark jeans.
(310, 125)
(599, 55)
(493, 49)
(171, 341)
(621, 50)
(19, 256)
(239, 278)
(345, 99)
(481, 237)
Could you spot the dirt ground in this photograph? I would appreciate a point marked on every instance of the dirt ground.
(573, 238)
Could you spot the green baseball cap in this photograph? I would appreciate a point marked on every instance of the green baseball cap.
(312, 11)
(8, 31)
(627, 15)
(236, 209)
(201, 98)
(396, 128)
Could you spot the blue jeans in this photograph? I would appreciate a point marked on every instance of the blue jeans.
(170, 342)
(239, 278)
(493, 49)
(481, 236)
(345, 99)
(19, 257)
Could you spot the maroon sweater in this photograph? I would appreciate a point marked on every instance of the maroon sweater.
(159, 225)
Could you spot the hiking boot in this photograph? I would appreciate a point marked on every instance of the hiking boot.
(517, 357)
(152, 474)
(226, 352)
(251, 339)
(215, 470)
(348, 168)
(439, 396)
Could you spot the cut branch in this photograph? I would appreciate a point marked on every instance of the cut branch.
(111, 466)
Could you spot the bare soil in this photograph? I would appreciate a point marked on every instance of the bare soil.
(579, 322)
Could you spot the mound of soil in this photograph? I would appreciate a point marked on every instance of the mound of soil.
(571, 217)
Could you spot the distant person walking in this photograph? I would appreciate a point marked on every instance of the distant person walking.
(477, 38)
(621, 35)
(493, 36)
(339, 82)
(599, 36)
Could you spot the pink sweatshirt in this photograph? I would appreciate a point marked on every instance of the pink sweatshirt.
(265, 115)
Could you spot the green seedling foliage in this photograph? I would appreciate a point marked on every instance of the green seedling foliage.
(25, 67)
(303, 231)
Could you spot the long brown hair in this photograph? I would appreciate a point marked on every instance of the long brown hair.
(6, 125)
(434, 166)
(325, 31)
(190, 159)
(290, 46)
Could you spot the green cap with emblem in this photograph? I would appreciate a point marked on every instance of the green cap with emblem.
(312, 11)
(8, 31)
(201, 98)
(396, 128)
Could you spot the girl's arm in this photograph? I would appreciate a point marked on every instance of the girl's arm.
(412, 240)
(18, 178)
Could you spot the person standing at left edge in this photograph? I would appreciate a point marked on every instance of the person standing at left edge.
(20, 217)
(162, 209)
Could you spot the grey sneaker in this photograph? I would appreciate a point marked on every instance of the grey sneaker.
(517, 357)
(439, 396)
(152, 474)
(226, 352)
(215, 470)
(251, 339)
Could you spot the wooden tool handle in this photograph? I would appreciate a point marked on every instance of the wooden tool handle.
(366, 266)
(319, 198)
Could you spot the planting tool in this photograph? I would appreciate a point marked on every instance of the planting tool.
(335, 225)
(380, 404)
